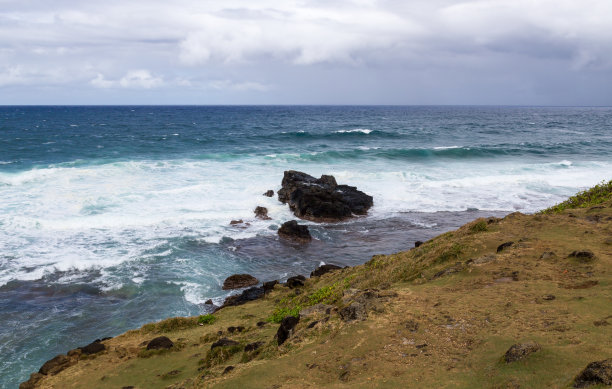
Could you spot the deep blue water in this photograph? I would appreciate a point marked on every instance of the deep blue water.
(111, 217)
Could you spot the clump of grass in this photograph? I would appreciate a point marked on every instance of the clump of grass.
(480, 226)
(454, 252)
(219, 355)
(598, 194)
(206, 319)
(169, 325)
(282, 312)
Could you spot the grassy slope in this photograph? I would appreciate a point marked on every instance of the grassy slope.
(467, 318)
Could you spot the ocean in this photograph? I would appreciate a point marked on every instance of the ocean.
(113, 217)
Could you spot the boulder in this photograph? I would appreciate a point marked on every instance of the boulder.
(55, 365)
(596, 373)
(269, 285)
(93, 348)
(322, 199)
(250, 294)
(262, 213)
(295, 282)
(503, 246)
(354, 311)
(583, 256)
(253, 346)
(223, 342)
(291, 230)
(286, 328)
(519, 351)
(269, 193)
(418, 243)
(161, 342)
(238, 281)
(319, 271)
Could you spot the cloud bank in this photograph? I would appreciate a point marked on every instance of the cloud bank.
(337, 51)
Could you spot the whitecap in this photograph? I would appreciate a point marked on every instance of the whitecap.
(361, 130)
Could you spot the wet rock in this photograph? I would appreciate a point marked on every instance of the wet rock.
(228, 369)
(208, 302)
(55, 365)
(262, 213)
(238, 281)
(223, 342)
(250, 294)
(354, 311)
(161, 342)
(596, 373)
(418, 243)
(269, 193)
(322, 199)
(31, 383)
(504, 246)
(269, 285)
(235, 222)
(583, 256)
(323, 269)
(93, 348)
(548, 255)
(253, 346)
(521, 350)
(286, 328)
(291, 230)
(295, 282)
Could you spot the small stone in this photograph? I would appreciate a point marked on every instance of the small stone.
(235, 222)
(521, 350)
(548, 297)
(596, 373)
(223, 342)
(269, 193)
(418, 243)
(504, 246)
(228, 369)
(161, 342)
(253, 346)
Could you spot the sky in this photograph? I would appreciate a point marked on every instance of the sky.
(514, 52)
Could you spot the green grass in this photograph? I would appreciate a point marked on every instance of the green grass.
(206, 319)
(219, 355)
(598, 194)
(480, 226)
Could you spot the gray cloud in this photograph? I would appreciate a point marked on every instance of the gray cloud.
(368, 51)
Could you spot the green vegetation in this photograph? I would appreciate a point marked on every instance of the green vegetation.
(596, 195)
(219, 355)
(480, 226)
(206, 319)
(452, 253)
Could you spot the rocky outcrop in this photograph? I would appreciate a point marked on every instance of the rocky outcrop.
(295, 281)
(323, 269)
(250, 294)
(55, 365)
(504, 246)
(286, 328)
(238, 281)
(269, 285)
(596, 373)
(293, 231)
(93, 348)
(521, 350)
(161, 342)
(262, 213)
(322, 199)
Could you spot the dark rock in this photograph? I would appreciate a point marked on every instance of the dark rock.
(596, 373)
(295, 281)
(262, 213)
(312, 324)
(355, 311)
(269, 193)
(234, 222)
(286, 328)
(521, 350)
(319, 271)
(208, 302)
(223, 342)
(253, 346)
(322, 199)
(291, 230)
(161, 342)
(31, 383)
(583, 256)
(418, 243)
(261, 323)
(233, 329)
(238, 281)
(269, 285)
(504, 246)
(250, 294)
(228, 369)
(55, 365)
(128, 387)
(93, 348)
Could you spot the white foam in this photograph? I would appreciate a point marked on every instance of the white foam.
(362, 130)
(446, 147)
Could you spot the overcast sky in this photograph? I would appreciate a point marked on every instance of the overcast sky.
(545, 52)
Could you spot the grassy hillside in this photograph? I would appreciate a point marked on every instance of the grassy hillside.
(438, 316)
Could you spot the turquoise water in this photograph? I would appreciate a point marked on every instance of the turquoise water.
(111, 217)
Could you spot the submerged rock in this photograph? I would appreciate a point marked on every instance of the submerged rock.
(323, 269)
(322, 199)
(286, 328)
(291, 230)
(238, 281)
(596, 373)
(521, 350)
(161, 342)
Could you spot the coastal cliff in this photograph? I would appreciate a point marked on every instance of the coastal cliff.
(513, 302)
